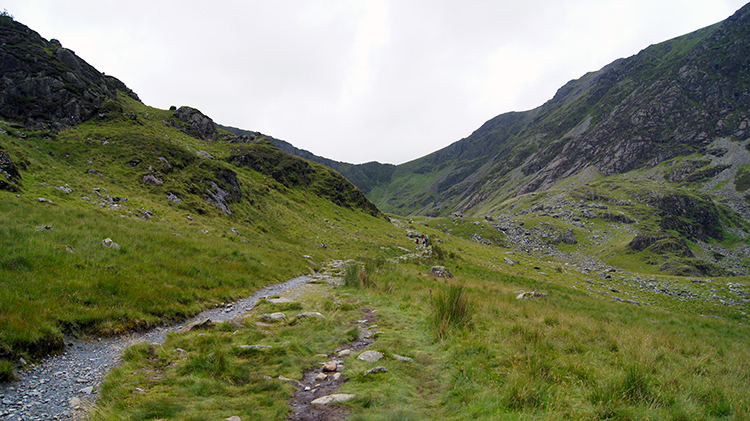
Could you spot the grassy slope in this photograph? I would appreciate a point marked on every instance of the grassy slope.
(168, 266)
(570, 355)
(574, 354)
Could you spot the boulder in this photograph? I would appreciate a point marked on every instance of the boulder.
(107, 242)
(204, 154)
(199, 125)
(440, 272)
(510, 262)
(370, 356)
(568, 237)
(525, 295)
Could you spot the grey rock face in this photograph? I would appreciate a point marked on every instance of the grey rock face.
(440, 272)
(10, 178)
(66, 90)
(199, 125)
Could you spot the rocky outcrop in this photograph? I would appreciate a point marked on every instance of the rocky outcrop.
(292, 171)
(46, 86)
(671, 100)
(10, 178)
(196, 124)
(223, 191)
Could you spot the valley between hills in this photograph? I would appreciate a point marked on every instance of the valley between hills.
(588, 259)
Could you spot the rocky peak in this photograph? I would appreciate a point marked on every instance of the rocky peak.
(46, 86)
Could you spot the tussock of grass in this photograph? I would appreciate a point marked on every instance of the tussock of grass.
(451, 309)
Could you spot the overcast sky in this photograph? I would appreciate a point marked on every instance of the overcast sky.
(359, 81)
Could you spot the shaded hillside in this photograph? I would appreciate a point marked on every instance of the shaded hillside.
(366, 177)
(670, 100)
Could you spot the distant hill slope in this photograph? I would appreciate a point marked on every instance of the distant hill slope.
(366, 176)
(674, 103)
(671, 100)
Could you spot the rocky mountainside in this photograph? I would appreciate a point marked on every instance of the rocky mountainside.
(47, 86)
(671, 100)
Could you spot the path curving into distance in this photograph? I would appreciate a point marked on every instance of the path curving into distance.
(46, 391)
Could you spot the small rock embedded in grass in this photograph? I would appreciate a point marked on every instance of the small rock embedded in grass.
(401, 358)
(258, 347)
(311, 314)
(345, 353)
(338, 397)
(440, 272)
(370, 356)
(200, 324)
(273, 317)
(376, 370)
(525, 295)
(107, 242)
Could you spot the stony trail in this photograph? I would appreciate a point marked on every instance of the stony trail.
(61, 387)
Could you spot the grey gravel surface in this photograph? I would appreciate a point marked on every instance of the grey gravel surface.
(63, 386)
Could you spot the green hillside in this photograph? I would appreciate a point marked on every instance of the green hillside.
(558, 282)
(201, 230)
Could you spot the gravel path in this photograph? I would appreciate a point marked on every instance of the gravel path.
(61, 387)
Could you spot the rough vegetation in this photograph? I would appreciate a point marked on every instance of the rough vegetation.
(588, 259)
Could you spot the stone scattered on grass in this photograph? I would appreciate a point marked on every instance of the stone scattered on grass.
(258, 347)
(370, 356)
(376, 370)
(338, 397)
(198, 324)
(273, 317)
(440, 272)
(525, 295)
(107, 242)
(311, 314)
(281, 300)
(345, 353)
(401, 358)
(330, 366)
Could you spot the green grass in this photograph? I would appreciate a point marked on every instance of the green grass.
(478, 353)
(568, 355)
(175, 259)
(208, 375)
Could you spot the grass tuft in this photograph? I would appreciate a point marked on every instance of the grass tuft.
(451, 309)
